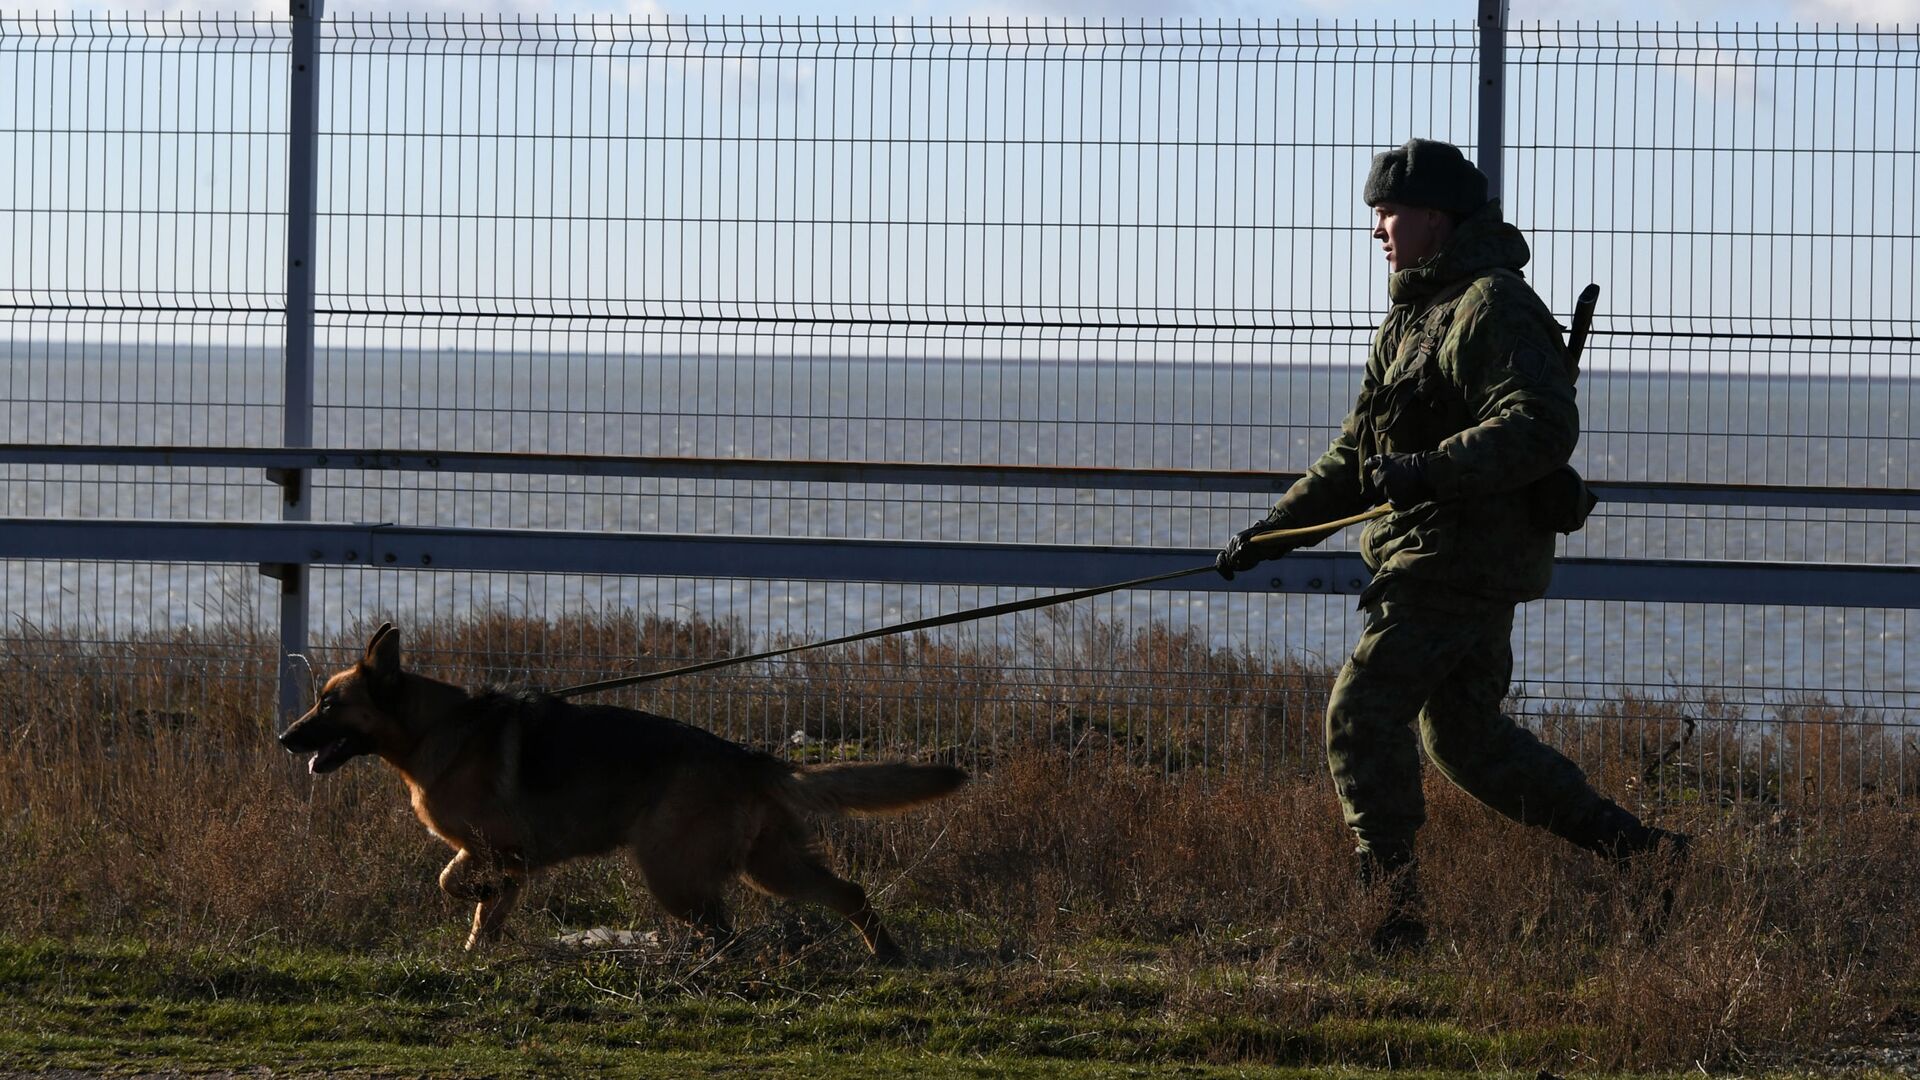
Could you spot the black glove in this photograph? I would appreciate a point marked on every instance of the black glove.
(1401, 477)
(1242, 553)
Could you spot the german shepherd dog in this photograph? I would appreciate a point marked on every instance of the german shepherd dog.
(516, 782)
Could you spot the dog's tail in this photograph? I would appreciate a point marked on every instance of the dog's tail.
(872, 789)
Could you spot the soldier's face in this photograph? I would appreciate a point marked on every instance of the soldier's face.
(1409, 235)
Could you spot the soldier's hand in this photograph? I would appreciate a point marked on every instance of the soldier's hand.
(1244, 553)
(1401, 477)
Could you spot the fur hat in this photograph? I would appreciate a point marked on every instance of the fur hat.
(1426, 173)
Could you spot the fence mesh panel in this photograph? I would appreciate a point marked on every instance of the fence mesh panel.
(1055, 244)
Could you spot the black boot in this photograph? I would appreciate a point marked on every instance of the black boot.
(1653, 858)
(1617, 836)
(1647, 843)
(1402, 929)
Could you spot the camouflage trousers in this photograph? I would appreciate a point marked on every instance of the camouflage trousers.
(1450, 671)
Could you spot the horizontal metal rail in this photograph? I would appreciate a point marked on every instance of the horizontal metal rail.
(874, 472)
(277, 543)
(600, 312)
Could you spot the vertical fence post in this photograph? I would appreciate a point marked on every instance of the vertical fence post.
(303, 136)
(1493, 92)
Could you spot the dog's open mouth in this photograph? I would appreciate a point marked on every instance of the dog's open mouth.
(335, 754)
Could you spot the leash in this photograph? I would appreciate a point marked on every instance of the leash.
(1308, 532)
(1576, 342)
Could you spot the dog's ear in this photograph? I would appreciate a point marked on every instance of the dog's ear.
(382, 660)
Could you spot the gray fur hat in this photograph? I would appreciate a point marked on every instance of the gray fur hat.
(1428, 173)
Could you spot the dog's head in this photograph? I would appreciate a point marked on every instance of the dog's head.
(356, 711)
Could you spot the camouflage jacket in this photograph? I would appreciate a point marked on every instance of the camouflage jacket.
(1469, 364)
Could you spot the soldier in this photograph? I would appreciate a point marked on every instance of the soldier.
(1466, 411)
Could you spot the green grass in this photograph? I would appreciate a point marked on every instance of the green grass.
(176, 893)
(817, 1010)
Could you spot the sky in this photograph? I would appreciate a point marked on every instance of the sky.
(1745, 12)
(1719, 181)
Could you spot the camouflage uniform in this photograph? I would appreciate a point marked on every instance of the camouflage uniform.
(1468, 365)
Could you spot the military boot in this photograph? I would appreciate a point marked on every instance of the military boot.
(1653, 858)
(1614, 834)
(1403, 929)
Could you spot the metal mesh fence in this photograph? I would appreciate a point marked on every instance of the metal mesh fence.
(1051, 244)
(1748, 197)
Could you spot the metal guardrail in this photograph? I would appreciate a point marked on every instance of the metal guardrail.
(873, 472)
(287, 545)
(276, 545)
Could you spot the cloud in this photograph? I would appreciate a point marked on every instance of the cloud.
(1884, 12)
(1171, 10)
(621, 8)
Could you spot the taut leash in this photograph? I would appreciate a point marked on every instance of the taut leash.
(991, 610)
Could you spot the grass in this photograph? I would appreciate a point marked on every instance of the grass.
(530, 1011)
(176, 893)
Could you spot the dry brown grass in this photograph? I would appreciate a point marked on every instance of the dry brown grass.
(141, 794)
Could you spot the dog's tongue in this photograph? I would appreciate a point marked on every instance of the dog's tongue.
(327, 757)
